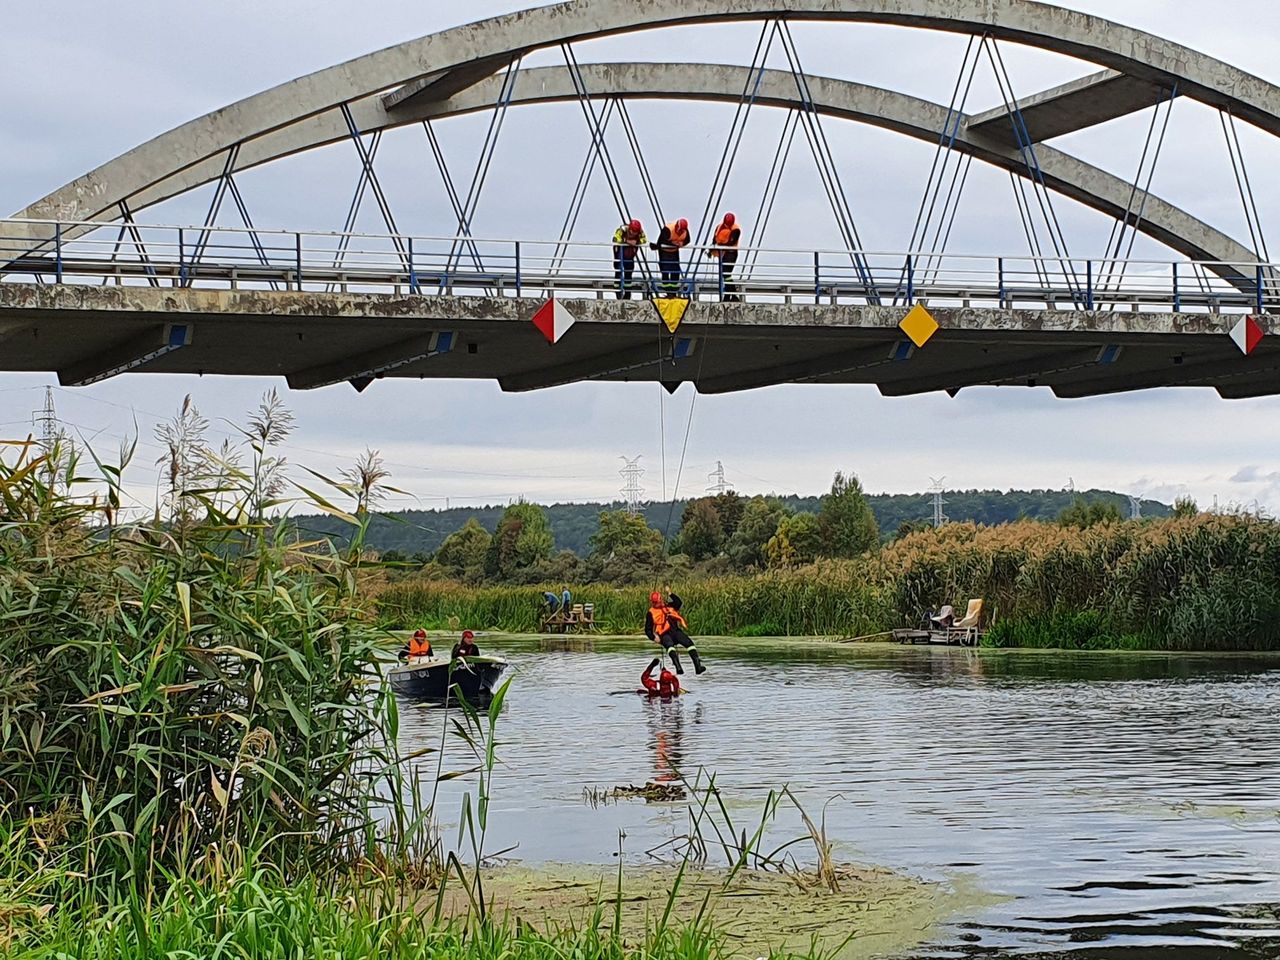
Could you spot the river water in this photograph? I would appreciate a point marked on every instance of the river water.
(1112, 805)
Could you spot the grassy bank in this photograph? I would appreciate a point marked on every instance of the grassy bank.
(1208, 582)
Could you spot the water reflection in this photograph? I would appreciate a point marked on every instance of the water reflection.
(1127, 806)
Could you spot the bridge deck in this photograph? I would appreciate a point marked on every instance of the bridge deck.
(85, 332)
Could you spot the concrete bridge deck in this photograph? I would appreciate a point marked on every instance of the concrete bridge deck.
(313, 338)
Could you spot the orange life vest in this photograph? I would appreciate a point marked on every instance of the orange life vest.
(678, 237)
(663, 617)
(725, 234)
(419, 648)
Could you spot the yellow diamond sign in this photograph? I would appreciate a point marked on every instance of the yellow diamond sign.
(919, 325)
(671, 309)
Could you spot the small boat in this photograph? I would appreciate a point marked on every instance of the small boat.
(437, 678)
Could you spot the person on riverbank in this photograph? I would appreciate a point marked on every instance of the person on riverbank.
(627, 240)
(466, 647)
(665, 625)
(673, 238)
(418, 647)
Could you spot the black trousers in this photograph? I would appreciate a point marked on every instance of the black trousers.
(728, 259)
(669, 261)
(623, 268)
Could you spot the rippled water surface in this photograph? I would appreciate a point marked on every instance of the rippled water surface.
(1121, 805)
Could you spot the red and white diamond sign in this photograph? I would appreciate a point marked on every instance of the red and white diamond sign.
(553, 320)
(1246, 334)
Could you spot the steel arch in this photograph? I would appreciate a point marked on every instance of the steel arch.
(441, 65)
(841, 99)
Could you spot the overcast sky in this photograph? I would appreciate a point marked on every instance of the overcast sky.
(88, 80)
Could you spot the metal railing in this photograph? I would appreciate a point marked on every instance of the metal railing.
(46, 251)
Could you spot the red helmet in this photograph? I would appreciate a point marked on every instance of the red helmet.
(419, 634)
(655, 597)
(468, 635)
(682, 223)
(729, 219)
(634, 226)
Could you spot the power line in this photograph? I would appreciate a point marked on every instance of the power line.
(717, 484)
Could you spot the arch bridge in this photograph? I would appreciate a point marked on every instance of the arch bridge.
(90, 290)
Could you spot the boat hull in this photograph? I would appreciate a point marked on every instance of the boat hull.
(475, 679)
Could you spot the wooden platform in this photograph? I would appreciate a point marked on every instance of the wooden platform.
(955, 637)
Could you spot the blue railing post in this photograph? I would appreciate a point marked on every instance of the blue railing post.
(911, 282)
(1258, 296)
(519, 276)
(1000, 280)
(182, 257)
(57, 248)
(1177, 295)
(1088, 284)
(817, 280)
(297, 257)
(413, 271)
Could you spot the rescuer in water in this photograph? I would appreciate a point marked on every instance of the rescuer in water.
(674, 237)
(664, 625)
(627, 240)
(418, 646)
(666, 685)
(725, 247)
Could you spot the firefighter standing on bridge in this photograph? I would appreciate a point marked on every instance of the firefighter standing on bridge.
(674, 237)
(664, 625)
(627, 240)
(725, 247)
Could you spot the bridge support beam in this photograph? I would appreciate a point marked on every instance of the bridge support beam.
(362, 370)
(638, 357)
(129, 356)
(1181, 371)
(857, 358)
(1027, 371)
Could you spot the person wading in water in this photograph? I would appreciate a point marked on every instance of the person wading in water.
(664, 625)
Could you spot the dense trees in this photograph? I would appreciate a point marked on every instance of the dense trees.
(522, 538)
(847, 523)
(715, 534)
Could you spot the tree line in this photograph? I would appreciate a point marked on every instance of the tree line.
(719, 534)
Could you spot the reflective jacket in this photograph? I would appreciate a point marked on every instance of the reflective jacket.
(726, 238)
(625, 243)
(661, 618)
(672, 238)
(419, 647)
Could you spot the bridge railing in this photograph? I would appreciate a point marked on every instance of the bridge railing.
(221, 257)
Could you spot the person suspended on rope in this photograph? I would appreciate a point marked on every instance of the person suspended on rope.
(725, 247)
(671, 240)
(418, 646)
(466, 647)
(627, 240)
(665, 625)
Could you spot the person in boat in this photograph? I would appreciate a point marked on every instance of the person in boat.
(466, 647)
(418, 647)
(665, 625)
